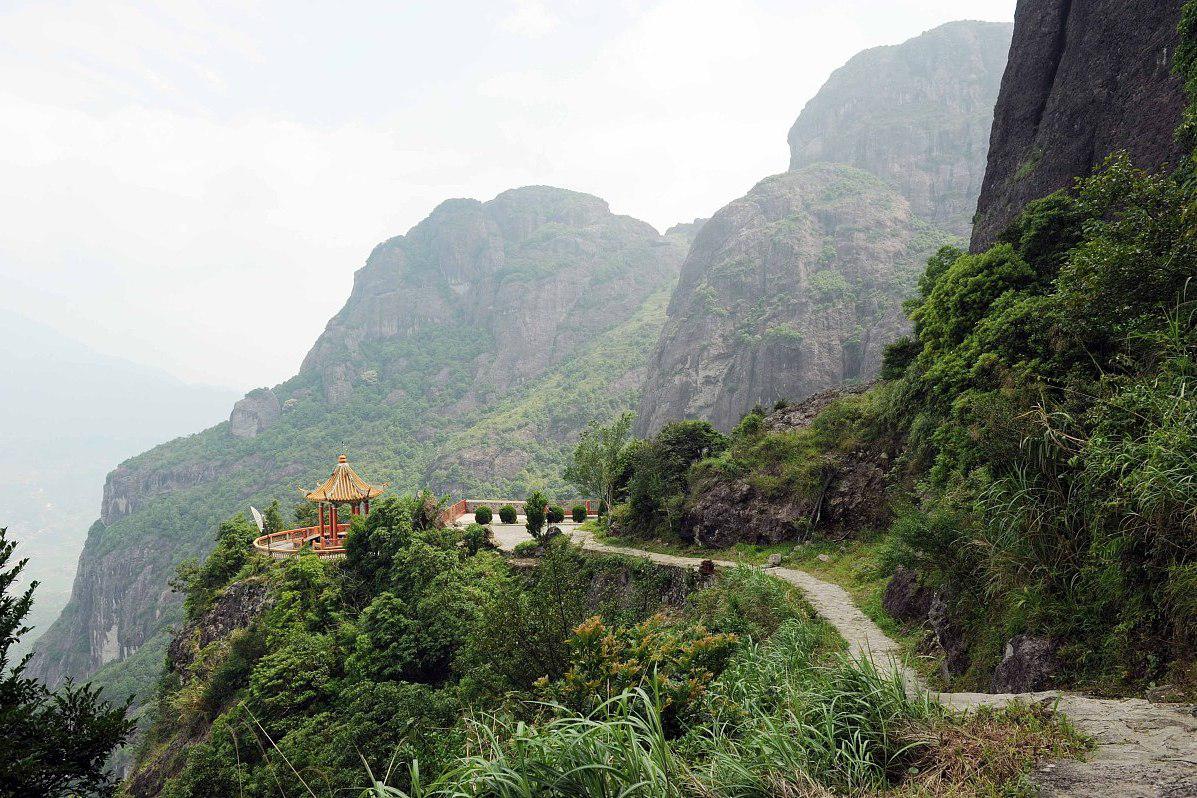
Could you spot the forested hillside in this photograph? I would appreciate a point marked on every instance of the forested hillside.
(465, 360)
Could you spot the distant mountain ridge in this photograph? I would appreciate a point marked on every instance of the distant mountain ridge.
(67, 415)
(915, 114)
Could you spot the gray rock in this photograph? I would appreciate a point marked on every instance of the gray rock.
(823, 558)
(1084, 80)
(916, 114)
(795, 288)
(904, 598)
(1029, 665)
(253, 414)
(773, 561)
(948, 636)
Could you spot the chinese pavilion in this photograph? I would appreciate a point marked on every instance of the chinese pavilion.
(327, 538)
(344, 486)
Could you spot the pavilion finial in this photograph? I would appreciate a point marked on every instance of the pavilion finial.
(342, 459)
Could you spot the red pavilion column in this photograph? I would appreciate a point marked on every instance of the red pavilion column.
(335, 534)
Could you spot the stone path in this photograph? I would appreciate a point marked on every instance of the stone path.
(1144, 750)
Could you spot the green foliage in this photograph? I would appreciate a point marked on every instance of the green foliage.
(233, 552)
(58, 743)
(556, 514)
(535, 514)
(656, 476)
(483, 515)
(674, 662)
(596, 459)
(507, 514)
(578, 513)
(476, 538)
(1047, 407)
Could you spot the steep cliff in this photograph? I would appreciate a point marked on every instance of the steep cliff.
(449, 342)
(791, 289)
(916, 114)
(1084, 80)
(798, 286)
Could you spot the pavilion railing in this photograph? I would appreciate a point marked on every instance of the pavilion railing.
(288, 542)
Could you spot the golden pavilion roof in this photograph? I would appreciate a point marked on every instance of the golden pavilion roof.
(344, 486)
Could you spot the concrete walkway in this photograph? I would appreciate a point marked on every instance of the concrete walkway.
(1144, 750)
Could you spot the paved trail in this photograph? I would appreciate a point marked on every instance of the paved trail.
(1144, 750)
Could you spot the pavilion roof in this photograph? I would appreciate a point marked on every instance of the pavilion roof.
(344, 486)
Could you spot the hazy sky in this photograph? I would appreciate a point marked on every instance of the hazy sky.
(193, 185)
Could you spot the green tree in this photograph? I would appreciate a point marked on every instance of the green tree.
(535, 513)
(55, 744)
(273, 518)
(596, 459)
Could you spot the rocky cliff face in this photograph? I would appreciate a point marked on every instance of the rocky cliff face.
(1084, 80)
(477, 262)
(798, 286)
(789, 290)
(452, 341)
(916, 114)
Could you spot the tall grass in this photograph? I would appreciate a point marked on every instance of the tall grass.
(845, 727)
(800, 730)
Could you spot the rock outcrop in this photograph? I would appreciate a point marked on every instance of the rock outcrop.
(253, 414)
(523, 269)
(1084, 80)
(1029, 665)
(795, 288)
(722, 511)
(916, 114)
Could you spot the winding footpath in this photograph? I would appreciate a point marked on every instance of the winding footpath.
(1144, 750)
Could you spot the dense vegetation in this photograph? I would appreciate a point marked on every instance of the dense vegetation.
(385, 654)
(55, 744)
(421, 666)
(379, 432)
(1044, 409)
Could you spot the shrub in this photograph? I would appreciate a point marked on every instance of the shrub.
(578, 513)
(528, 548)
(507, 514)
(483, 515)
(535, 510)
(476, 538)
(556, 514)
(602, 508)
(671, 661)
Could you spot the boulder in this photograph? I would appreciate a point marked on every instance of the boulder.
(905, 599)
(773, 561)
(1029, 665)
(948, 636)
(253, 414)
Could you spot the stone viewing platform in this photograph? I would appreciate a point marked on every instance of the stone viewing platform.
(345, 488)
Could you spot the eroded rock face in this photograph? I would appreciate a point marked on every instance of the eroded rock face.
(724, 511)
(1029, 665)
(235, 608)
(1084, 80)
(795, 288)
(526, 269)
(916, 114)
(253, 414)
